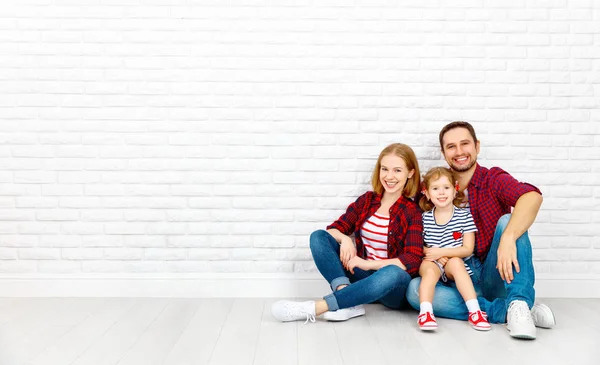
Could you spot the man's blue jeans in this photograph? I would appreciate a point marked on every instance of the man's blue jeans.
(386, 285)
(494, 294)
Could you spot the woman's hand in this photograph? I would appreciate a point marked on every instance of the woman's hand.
(442, 261)
(347, 250)
(432, 253)
(358, 262)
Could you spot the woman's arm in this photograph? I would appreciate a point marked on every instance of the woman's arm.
(347, 248)
(376, 265)
(339, 236)
(411, 255)
(372, 264)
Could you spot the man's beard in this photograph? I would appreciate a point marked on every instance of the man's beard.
(464, 168)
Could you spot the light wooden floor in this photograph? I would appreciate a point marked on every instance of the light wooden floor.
(147, 331)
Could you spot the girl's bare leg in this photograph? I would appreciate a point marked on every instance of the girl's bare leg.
(430, 275)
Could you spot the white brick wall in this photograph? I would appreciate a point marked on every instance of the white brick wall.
(164, 136)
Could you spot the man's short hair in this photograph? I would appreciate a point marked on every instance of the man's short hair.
(457, 124)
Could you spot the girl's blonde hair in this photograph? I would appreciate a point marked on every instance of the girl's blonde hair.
(434, 174)
(408, 155)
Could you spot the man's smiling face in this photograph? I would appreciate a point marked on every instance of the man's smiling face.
(459, 149)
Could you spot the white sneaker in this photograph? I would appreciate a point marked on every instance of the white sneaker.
(519, 321)
(287, 310)
(543, 316)
(345, 314)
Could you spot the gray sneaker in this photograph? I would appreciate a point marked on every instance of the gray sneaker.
(543, 316)
(519, 320)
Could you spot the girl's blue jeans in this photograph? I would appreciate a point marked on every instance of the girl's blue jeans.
(387, 285)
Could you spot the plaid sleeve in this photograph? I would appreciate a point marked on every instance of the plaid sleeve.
(346, 223)
(508, 190)
(412, 255)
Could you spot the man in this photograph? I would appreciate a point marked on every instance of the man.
(502, 264)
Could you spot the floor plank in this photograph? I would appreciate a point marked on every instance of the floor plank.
(317, 343)
(76, 341)
(277, 344)
(51, 323)
(220, 331)
(156, 342)
(358, 343)
(198, 340)
(238, 339)
(123, 335)
(395, 332)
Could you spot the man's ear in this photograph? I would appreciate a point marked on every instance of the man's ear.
(477, 147)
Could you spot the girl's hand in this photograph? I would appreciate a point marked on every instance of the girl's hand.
(347, 250)
(358, 262)
(432, 253)
(442, 261)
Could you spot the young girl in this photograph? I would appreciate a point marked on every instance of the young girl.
(387, 227)
(449, 237)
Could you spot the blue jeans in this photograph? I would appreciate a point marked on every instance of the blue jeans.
(494, 294)
(387, 285)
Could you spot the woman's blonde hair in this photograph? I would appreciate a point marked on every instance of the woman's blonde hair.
(434, 174)
(408, 155)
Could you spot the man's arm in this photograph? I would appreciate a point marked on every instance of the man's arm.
(523, 215)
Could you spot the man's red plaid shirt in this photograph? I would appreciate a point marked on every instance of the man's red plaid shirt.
(492, 193)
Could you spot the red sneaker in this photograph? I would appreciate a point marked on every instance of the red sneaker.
(479, 321)
(427, 322)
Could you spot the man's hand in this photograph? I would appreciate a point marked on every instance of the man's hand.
(358, 262)
(507, 257)
(347, 250)
(432, 253)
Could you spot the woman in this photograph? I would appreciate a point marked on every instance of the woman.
(388, 228)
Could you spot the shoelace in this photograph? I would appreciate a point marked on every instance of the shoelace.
(309, 317)
(520, 313)
(478, 315)
(425, 316)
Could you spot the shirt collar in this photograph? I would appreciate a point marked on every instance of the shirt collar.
(378, 198)
(477, 178)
